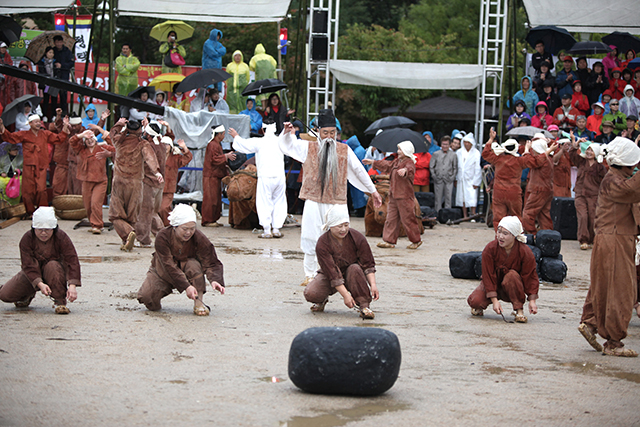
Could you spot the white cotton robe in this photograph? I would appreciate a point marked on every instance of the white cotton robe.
(313, 213)
(271, 197)
(469, 174)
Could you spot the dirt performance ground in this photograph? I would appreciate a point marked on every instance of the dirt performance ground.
(112, 362)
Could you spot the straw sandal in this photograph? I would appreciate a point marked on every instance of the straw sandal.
(306, 281)
(265, 236)
(584, 246)
(25, 302)
(590, 336)
(415, 245)
(95, 230)
(62, 309)
(521, 318)
(201, 310)
(128, 245)
(620, 352)
(213, 224)
(319, 307)
(366, 313)
(385, 245)
(277, 235)
(477, 312)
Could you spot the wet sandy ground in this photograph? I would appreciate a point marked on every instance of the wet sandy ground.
(111, 362)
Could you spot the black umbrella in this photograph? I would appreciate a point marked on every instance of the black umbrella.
(263, 86)
(14, 107)
(10, 30)
(142, 89)
(633, 64)
(589, 48)
(623, 41)
(389, 123)
(554, 38)
(202, 78)
(388, 140)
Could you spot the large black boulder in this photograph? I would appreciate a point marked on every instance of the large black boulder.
(553, 270)
(462, 266)
(446, 214)
(549, 242)
(349, 361)
(426, 199)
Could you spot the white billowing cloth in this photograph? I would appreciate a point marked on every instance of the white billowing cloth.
(514, 226)
(622, 152)
(597, 150)
(539, 145)
(44, 217)
(501, 148)
(334, 217)
(407, 149)
(182, 214)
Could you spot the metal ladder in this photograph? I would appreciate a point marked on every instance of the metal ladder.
(491, 55)
(321, 84)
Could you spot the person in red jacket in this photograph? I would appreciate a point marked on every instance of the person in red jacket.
(542, 119)
(421, 179)
(401, 198)
(565, 116)
(595, 120)
(616, 84)
(579, 100)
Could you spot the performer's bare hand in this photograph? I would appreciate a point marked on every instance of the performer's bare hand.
(492, 135)
(233, 132)
(218, 287)
(553, 148)
(106, 113)
(527, 146)
(533, 307)
(192, 292)
(375, 294)
(367, 161)
(288, 128)
(44, 288)
(101, 155)
(181, 144)
(230, 156)
(87, 133)
(377, 200)
(72, 294)
(159, 177)
(349, 301)
(144, 122)
(497, 307)
(402, 172)
(58, 112)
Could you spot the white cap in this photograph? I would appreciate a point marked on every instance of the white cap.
(44, 217)
(3, 44)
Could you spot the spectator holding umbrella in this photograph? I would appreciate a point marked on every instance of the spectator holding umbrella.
(169, 47)
(47, 67)
(64, 63)
(264, 65)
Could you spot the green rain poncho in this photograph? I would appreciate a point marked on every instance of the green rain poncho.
(236, 84)
(127, 69)
(264, 65)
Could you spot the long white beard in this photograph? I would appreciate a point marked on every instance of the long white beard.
(327, 164)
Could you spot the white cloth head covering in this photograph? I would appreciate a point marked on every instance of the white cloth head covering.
(562, 141)
(174, 149)
(217, 130)
(622, 152)
(539, 145)
(407, 149)
(335, 216)
(181, 214)
(44, 217)
(33, 117)
(597, 150)
(155, 135)
(75, 121)
(538, 135)
(500, 148)
(514, 226)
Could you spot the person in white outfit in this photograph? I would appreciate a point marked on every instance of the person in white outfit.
(469, 175)
(328, 165)
(271, 198)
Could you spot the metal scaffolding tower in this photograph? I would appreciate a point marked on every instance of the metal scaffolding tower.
(322, 45)
(491, 55)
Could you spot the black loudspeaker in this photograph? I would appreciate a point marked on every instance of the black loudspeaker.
(319, 48)
(320, 22)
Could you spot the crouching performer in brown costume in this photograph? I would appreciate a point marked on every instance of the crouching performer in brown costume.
(508, 273)
(346, 267)
(49, 262)
(609, 304)
(183, 256)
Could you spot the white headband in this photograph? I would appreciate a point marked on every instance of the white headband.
(338, 214)
(44, 217)
(75, 121)
(514, 226)
(182, 214)
(33, 117)
(155, 135)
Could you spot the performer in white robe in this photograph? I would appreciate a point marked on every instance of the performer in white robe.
(469, 175)
(327, 166)
(271, 197)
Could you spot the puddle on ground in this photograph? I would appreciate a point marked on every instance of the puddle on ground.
(591, 368)
(344, 416)
(266, 253)
(272, 379)
(497, 370)
(99, 259)
(178, 382)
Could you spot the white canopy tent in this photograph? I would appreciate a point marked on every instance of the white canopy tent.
(232, 11)
(586, 16)
(8, 7)
(407, 75)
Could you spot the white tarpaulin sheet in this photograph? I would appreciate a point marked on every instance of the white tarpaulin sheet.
(586, 16)
(407, 75)
(9, 7)
(232, 11)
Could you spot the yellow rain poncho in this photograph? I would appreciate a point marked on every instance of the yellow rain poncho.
(235, 85)
(127, 69)
(264, 65)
